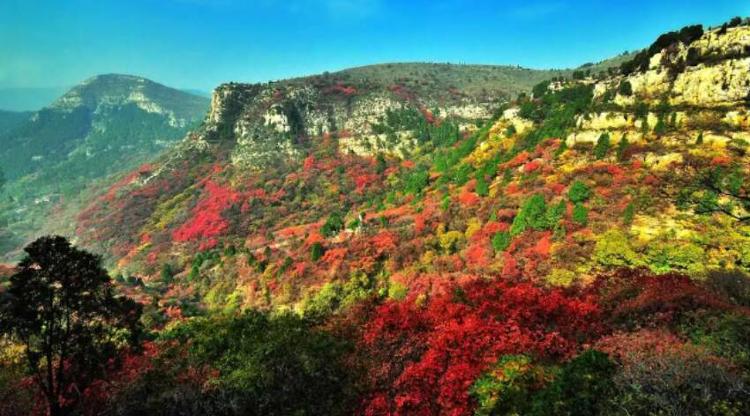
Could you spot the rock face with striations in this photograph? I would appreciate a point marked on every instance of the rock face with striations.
(699, 88)
(265, 122)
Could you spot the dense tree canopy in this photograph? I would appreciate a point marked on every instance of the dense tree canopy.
(61, 307)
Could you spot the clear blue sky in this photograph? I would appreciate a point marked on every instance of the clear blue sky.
(202, 43)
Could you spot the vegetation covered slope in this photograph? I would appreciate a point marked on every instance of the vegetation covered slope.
(11, 119)
(580, 251)
(107, 124)
(548, 190)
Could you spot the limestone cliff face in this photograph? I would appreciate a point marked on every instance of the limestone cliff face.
(702, 88)
(712, 71)
(271, 121)
(102, 92)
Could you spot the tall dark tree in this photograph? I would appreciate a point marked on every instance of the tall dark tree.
(61, 307)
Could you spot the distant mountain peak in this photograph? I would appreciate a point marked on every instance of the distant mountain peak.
(122, 89)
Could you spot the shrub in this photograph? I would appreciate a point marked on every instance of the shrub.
(450, 241)
(583, 387)
(316, 252)
(579, 192)
(637, 298)
(208, 222)
(501, 241)
(727, 335)
(625, 88)
(561, 277)
(730, 284)
(668, 255)
(580, 214)
(507, 387)
(613, 249)
(663, 375)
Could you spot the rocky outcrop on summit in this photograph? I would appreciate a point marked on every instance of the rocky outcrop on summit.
(700, 88)
(105, 125)
(113, 90)
(271, 121)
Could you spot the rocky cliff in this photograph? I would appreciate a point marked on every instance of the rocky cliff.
(271, 121)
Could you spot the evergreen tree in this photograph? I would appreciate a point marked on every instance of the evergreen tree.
(61, 307)
(602, 146)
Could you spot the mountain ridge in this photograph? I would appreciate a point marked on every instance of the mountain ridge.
(426, 147)
(105, 125)
(436, 239)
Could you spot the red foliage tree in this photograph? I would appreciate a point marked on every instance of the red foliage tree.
(426, 358)
(640, 298)
(207, 222)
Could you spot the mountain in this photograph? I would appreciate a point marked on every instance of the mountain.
(28, 99)
(432, 158)
(9, 120)
(105, 125)
(444, 239)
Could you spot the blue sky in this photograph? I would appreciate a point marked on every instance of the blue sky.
(202, 43)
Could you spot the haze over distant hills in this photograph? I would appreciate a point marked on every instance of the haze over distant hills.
(105, 125)
(29, 99)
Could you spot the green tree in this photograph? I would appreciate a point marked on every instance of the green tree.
(579, 192)
(167, 274)
(482, 188)
(316, 252)
(540, 89)
(582, 388)
(416, 181)
(334, 223)
(602, 146)
(628, 214)
(661, 126)
(625, 89)
(271, 365)
(622, 147)
(61, 307)
(531, 215)
(710, 189)
(580, 214)
(501, 241)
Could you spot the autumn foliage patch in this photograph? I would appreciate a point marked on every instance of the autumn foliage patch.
(424, 363)
(208, 222)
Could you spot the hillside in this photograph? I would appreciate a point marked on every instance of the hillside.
(274, 163)
(11, 119)
(430, 239)
(106, 125)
